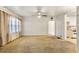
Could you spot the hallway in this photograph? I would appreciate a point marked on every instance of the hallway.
(39, 44)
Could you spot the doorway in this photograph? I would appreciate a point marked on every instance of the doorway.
(51, 27)
(71, 29)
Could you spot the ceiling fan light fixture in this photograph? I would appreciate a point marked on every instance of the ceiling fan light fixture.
(39, 13)
(39, 16)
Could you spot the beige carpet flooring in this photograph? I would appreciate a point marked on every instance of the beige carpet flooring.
(39, 44)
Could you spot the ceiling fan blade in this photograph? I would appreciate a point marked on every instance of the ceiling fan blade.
(44, 15)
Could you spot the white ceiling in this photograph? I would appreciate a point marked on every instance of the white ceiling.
(51, 10)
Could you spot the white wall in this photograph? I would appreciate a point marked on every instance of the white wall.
(60, 25)
(72, 20)
(35, 26)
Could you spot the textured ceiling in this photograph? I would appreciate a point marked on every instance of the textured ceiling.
(51, 10)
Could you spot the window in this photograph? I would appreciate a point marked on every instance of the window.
(9, 24)
(17, 25)
(14, 24)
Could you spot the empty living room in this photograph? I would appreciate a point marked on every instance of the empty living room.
(38, 29)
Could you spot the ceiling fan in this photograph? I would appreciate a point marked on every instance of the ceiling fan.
(39, 13)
